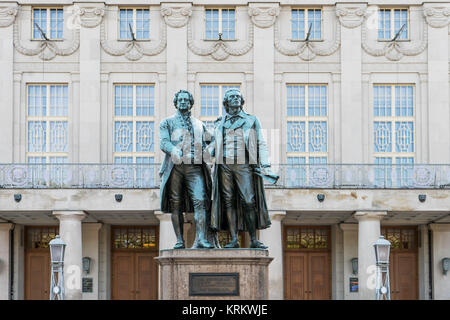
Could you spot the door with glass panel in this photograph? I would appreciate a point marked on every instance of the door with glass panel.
(403, 263)
(307, 267)
(37, 261)
(134, 270)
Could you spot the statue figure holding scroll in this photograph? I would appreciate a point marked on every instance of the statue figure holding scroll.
(241, 163)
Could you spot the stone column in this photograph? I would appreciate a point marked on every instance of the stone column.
(263, 16)
(350, 245)
(91, 248)
(437, 17)
(368, 233)
(90, 94)
(440, 247)
(8, 13)
(351, 17)
(176, 16)
(272, 237)
(70, 233)
(5, 270)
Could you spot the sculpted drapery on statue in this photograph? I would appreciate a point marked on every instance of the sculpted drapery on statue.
(185, 177)
(241, 163)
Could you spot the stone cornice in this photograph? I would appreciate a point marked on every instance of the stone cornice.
(8, 13)
(263, 15)
(176, 15)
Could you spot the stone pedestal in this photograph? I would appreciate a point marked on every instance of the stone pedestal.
(216, 270)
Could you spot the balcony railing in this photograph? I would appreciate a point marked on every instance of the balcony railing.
(329, 176)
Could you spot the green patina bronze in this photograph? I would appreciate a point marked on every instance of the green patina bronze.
(239, 202)
(185, 177)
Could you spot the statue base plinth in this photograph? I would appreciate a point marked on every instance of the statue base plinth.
(214, 274)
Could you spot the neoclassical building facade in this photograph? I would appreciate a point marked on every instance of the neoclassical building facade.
(353, 98)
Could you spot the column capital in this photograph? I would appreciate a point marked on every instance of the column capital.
(176, 15)
(436, 15)
(348, 226)
(369, 215)
(440, 227)
(70, 215)
(8, 13)
(351, 15)
(6, 226)
(264, 15)
(277, 215)
(163, 217)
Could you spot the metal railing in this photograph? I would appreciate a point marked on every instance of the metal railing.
(299, 176)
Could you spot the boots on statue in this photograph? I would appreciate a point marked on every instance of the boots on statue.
(250, 219)
(177, 222)
(231, 217)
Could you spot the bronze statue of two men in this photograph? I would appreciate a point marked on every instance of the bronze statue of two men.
(237, 189)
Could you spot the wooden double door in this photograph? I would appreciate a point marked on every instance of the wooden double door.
(134, 276)
(307, 267)
(307, 276)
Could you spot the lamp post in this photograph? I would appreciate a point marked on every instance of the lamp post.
(382, 248)
(57, 248)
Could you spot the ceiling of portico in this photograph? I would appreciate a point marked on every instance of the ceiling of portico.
(47, 218)
(392, 218)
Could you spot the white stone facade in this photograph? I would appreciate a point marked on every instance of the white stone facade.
(263, 60)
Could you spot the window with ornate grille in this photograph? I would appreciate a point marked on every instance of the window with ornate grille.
(211, 97)
(393, 133)
(134, 238)
(302, 20)
(139, 21)
(307, 129)
(47, 130)
(390, 21)
(220, 20)
(50, 21)
(304, 237)
(134, 127)
(40, 237)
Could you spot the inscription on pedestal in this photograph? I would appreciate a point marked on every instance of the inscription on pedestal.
(213, 284)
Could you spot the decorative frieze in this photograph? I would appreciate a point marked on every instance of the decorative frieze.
(263, 17)
(176, 15)
(351, 16)
(437, 17)
(133, 50)
(307, 50)
(8, 14)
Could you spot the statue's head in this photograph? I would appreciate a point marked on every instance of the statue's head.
(183, 100)
(233, 101)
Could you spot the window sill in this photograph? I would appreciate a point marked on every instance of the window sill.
(226, 40)
(390, 40)
(53, 40)
(138, 40)
(303, 40)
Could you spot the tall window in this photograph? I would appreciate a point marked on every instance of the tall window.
(50, 21)
(393, 133)
(307, 129)
(302, 19)
(220, 21)
(211, 101)
(134, 126)
(47, 136)
(390, 21)
(138, 19)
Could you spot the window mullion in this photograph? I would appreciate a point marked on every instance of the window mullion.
(220, 20)
(393, 115)
(134, 120)
(307, 122)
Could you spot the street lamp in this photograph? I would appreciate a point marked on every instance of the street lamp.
(57, 248)
(382, 248)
